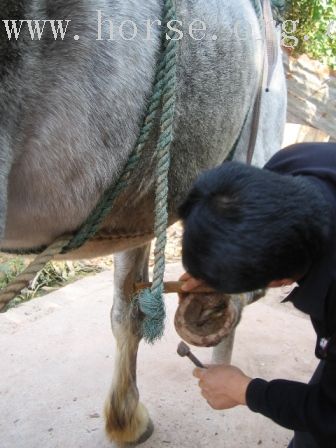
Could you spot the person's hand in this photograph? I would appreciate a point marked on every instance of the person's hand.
(223, 386)
(190, 283)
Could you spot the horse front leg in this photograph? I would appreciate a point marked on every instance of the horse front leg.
(127, 420)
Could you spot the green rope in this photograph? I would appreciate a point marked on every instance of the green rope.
(257, 7)
(281, 4)
(151, 301)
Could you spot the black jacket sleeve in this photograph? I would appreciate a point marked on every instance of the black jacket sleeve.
(301, 407)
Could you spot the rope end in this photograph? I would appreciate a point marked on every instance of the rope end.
(152, 307)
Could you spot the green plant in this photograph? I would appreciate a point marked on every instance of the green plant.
(9, 269)
(316, 30)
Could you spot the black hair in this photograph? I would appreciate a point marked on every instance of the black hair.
(245, 227)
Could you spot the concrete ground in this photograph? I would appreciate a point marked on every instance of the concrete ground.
(57, 360)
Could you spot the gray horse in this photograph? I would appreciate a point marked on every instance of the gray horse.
(71, 110)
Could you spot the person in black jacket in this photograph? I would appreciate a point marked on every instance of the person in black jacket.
(247, 228)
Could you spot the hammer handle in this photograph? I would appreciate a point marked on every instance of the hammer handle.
(196, 361)
(174, 287)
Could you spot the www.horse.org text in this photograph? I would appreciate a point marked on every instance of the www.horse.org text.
(109, 30)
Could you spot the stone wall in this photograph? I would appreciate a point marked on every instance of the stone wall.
(311, 94)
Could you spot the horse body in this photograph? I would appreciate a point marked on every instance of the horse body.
(71, 113)
(77, 107)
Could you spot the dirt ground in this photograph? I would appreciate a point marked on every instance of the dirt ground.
(57, 362)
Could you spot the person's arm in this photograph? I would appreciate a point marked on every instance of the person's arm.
(298, 406)
(294, 405)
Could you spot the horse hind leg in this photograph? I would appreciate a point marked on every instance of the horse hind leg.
(222, 353)
(127, 420)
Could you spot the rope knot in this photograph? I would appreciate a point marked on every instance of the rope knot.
(152, 307)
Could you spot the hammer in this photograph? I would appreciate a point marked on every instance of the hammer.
(183, 350)
(174, 287)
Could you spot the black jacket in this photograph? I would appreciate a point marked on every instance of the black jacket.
(301, 407)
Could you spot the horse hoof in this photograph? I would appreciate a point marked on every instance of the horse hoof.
(144, 437)
(204, 320)
(136, 428)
